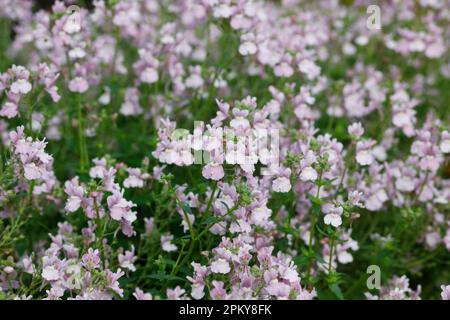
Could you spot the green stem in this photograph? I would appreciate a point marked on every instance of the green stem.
(186, 257)
(208, 207)
(81, 138)
(179, 258)
(313, 221)
(331, 254)
(313, 224)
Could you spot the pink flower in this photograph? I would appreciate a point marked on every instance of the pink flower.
(98, 171)
(127, 259)
(281, 184)
(247, 46)
(91, 260)
(31, 171)
(9, 110)
(278, 289)
(213, 171)
(135, 178)
(333, 215)
(220, 266)
(166, 243)
(309, 68)
(375, 201)
(218, 292)
(405, 184)
(111, 281)
(260, 215)
(141, 295)
(21, 86)
(175, 294)
(120, 208)
(356, 130)
(334, 219)
(49, 273)
(131, 106)
(445, 142)
(78, 84)
(28, 265)
(284, 69)
(75, 193)
(445, 294)
(149, 75)
(308, 174)
(364, 153)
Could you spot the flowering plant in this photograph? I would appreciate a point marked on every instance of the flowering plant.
(224, 149)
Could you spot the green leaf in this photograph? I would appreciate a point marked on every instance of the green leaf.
(186, 207)
(212, 220)
(336, 290)
(301, 260)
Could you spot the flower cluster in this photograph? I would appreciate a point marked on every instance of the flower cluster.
(224, 149)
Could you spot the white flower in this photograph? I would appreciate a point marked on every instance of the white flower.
(77, 53)
(222, 11)
(445, 146)
(239, 122)
(260, 215)
(149, 75)
(247, 48)
(21, 86)
(50, 273)
(194, 81)
(405, 184)
(379, 152)
(31, 171)
(220, 266)
(281, 184)
(334, 219)
(166, 243)
(78, 84)
(198, 291)
(345, 257)
(105, 98)
(73, 203)
(356, 130)
(365, 157)
(445, 294)
(308, 174)
(376, 200)
(309, 68)
(445, 143)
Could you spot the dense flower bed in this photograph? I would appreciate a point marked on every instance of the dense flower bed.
(224, 149)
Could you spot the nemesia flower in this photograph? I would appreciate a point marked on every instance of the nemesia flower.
(21, 86)
(79, 85)
(220, 266)
(166, 244)
(356, 130)
(224, 149)
(445, 294)
(332, 215)
(141, 295)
